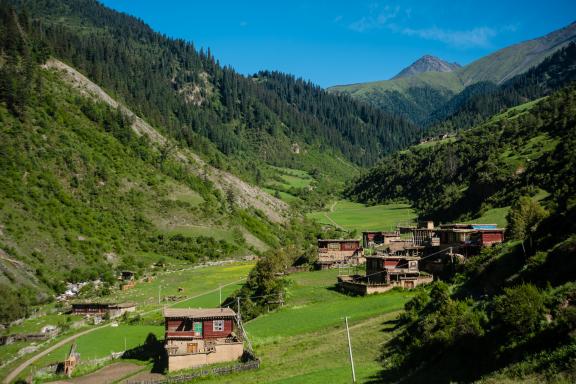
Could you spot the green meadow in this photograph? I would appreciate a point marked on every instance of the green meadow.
(306, 341)
(359, 217)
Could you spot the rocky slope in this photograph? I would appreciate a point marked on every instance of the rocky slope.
(427, 63)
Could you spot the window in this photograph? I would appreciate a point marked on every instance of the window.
(218, 325)
(334, 246)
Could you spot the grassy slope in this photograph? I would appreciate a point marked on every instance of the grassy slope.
(306, 341)
(92, 193)
(444, 80)
(516, 59)
(355, 216)
(194, 281)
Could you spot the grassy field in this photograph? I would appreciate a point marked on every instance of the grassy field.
(302, 342)
(285, 196)
(494, 216)
(104, 341)
(192, 280)
(498, 215)
(305, 342)
(199, 283)
(355, 216)
(288, 179)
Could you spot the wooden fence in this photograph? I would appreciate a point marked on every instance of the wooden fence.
(218, 371)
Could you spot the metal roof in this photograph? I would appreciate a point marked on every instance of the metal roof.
(199, 312)
(340, 240)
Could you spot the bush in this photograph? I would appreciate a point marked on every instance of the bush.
(520, 309)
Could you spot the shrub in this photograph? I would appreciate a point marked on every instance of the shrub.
(520, 309)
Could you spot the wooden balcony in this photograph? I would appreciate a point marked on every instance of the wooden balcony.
(183, 334)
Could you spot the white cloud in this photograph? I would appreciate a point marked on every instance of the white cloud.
(394, 18)
(375, 21)
(477, 37)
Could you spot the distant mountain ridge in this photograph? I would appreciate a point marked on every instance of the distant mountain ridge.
(427, 63)
(416, 97)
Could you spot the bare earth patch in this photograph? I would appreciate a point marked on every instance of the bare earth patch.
(108, 374)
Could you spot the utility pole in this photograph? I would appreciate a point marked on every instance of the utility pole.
(238, 306)
(350, 351)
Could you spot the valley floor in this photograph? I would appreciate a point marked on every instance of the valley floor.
(304, 341)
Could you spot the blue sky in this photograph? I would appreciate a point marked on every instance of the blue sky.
(343, 42)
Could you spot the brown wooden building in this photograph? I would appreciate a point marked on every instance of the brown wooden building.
(334, 252)
(469, 235)
(384, 272)
(397, 270)
(101, 309)
(374, 238)
(196, 337)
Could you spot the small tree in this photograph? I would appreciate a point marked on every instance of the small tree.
(524, 216)
(520, 309)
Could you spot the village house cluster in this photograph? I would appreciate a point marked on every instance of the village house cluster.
(406, 257)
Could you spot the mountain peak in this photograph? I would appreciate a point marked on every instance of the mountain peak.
(427, 63)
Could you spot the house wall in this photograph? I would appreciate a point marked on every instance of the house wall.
(224, 352)
(209, 332)
(369, 289)
(337, 256)
(352, 245)
(489, 238)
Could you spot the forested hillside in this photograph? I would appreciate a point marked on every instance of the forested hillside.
(211, 108)
(479, 101)
(84, 195)
(488, 166)
(509, 313)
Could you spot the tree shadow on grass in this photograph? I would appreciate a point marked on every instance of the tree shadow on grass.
(152, 350)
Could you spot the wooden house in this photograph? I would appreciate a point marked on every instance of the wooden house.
(375, 238)
(384, 272)
(471, 235)
(196, 337)
(101, 309)
(399, 271)
(334, 252)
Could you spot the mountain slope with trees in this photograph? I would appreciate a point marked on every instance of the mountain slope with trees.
(85, 194)
(405, 97)
(210, 108)
(478, 102)
(487, 166)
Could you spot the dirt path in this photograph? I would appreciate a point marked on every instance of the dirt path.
(20, 368)
(12, 375)
(108, 374)
(333, 206)
(330, 219)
